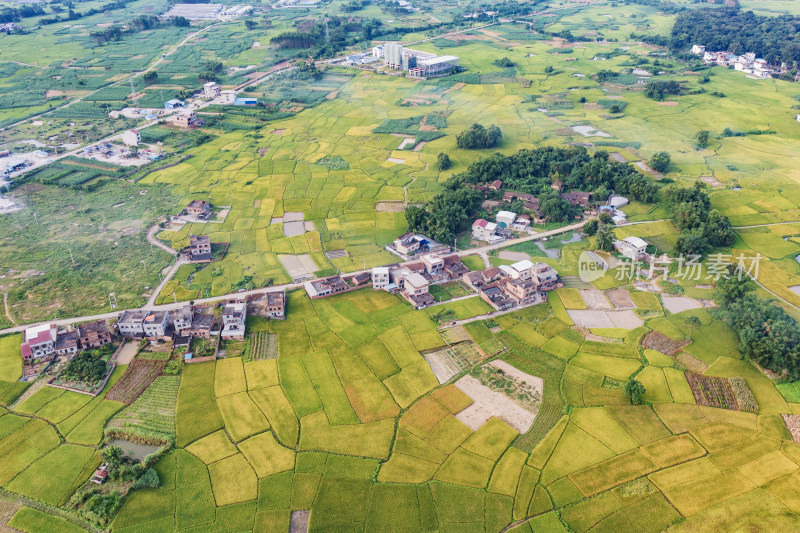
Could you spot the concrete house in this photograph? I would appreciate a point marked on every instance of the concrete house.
(521, 269)
(186, 120)
(174, 104)
(497, 298)
(233, 319)
(199, 248)
(182, 320)
(198, 209)
(380, 278)
(545, 277)
(506, 217)
(276, 305)
(211, 89)
(483, 230)
(523, 291)
(434, 264)
(634, 248)
(156, 324)
(131, 323)
(325, 287)
(228, 97)
(38, 341)
(416, 290)
(94, 334)
(202, 324)
(67, 343)
(131, 138)
(407, 244)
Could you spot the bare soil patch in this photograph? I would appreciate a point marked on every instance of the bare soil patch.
(677, 304)
(127, 353)
(595, 299)
(711, 181)
(389, 207)
(488, 403)
(138, 376)
(668, 103)
(691, 362)
(513, 256)
(278, 132)
(793, 425)
(621, 298)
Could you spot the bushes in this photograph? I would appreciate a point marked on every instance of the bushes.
(477, 137)
(148, 480)
(744, 396)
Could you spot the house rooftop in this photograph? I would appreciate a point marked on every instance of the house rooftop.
(416, 280)
(133, 315)
(38, 334)
(155, 317)
(98, 326)
(635, 241)
(519, 266)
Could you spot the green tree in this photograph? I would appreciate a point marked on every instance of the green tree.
(444, 161)
(590, 228)
(150, 76)
(606, 238)
(113, 455)
(702, 138)
(605, 218)
(660, 161)
(635, 391)
(250, 24)
(692, 322)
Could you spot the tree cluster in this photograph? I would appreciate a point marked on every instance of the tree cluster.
(767, 334)
(660, 161)
(535, 172)
(326, 37)
(659, 89)
(776, 39)
(702, 228)
(477, 137)
(87, 367)
(447, 214)
(15, 14)
(504, 62)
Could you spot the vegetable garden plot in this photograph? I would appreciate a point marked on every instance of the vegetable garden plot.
(138, 376)
(661, 343)
(722, 392)
(451, 360)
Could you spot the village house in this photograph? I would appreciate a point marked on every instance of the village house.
(234, 315)
(325, 287)
(131, 138)
(198, 209)
(182, 320)
(202, 325)
(361, 279)
(276, 304)
(38, 341)
(212, 89)
(397, 276)
(411, 244)
(453, 267)
(434, 265)
(156, 324)
(497, 298)
(416, 291)
(67, 343)
(186, 120)
(520, 269)
(577, 198)
(380, 278)
(545, 277)
(174, 104)
(483, 230)
(473, 279)
(131, 323)
(505, 217)
(633, 248)
(522, 290)
(496, 185)
(522, 223)
(94, 334)
(199, 248)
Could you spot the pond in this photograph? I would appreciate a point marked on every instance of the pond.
(554, 253)
(134, 449)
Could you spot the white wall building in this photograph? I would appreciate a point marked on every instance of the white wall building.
(380, 278)
(131, 138)
(507, 217)
(211, 89)
(228, 97)
(633, 248)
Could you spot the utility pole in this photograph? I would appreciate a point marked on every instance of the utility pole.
(70, 254)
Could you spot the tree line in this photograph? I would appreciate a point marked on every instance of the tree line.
(775, 39)
(767, 334)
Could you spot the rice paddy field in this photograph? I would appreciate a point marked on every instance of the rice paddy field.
(336, 410)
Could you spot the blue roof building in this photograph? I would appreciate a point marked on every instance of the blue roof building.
(245, 101)
(173, 104)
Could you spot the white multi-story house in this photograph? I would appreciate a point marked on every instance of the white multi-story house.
(38, 341)
(633, 248)
(131, 138)
(380, 278)
(234, 315)
(156, 324)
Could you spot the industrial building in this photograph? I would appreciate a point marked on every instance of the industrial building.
(418, 64)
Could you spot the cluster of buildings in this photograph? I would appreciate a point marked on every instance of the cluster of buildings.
(579, 199)
(613, 208)
(207, 11)
(747, 63)
(498, 231)
(519, 284)
(415, 63)
(410, 246)
(322, 288)
(45, 340)
(412, 281)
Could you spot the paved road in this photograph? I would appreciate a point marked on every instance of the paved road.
(152, 239)
(171, 272)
